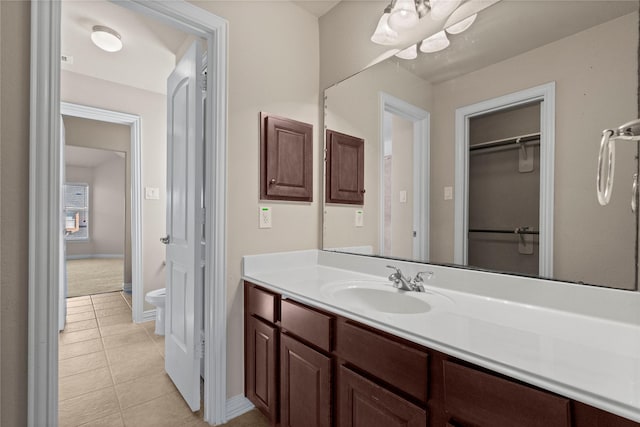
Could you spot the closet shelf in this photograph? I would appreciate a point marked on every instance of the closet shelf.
(519, 230)
(506, 141)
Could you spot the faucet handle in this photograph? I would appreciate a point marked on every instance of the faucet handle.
(419, 277)
(394, 268)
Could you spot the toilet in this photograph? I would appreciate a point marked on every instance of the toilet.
(157, 298)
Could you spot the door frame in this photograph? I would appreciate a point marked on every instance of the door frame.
(133, 121)
(545, 94)
(421, 155)
(44, 203)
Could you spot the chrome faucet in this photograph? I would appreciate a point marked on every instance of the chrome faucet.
(404, 283)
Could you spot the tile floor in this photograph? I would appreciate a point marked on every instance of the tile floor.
(111, 371)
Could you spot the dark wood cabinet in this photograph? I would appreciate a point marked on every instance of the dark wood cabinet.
(345, 169)
(363, 403)
(305, 367)
(305, 382)
(286, 159)
(261, 366)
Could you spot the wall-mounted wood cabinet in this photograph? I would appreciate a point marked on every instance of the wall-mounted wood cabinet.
(286, 159)
(333, 371)
(345, 169)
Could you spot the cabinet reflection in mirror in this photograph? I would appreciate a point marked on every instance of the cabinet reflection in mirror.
(484, 154)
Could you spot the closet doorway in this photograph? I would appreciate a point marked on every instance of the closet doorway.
(504, 182)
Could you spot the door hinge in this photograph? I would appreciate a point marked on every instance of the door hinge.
(203, 81)
(200, 349)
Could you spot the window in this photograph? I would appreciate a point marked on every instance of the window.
(76, 212)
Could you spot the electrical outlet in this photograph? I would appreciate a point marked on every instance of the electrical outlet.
(403, 196)
(265, 217)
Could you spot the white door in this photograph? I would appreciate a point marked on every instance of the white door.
(183, 303)
(62, 271)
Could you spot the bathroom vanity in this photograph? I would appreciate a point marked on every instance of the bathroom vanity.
(329, 341)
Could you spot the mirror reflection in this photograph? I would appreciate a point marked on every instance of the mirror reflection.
(484, 154)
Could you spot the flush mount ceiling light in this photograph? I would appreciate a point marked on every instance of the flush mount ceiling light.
(402, 15)
(106, 38)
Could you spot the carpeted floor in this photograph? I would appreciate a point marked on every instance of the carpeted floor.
(94, 276)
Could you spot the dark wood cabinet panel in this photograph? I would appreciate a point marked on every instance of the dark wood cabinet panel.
(261, 388)
(305, 385)
(479, 399)
(362, 403)
(345, 169)
(308, 324)
(262, 303)
(286, 159)
(404, 367)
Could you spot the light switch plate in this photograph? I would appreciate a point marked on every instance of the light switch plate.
(403, 196)
(265, 217)
(359, 218)
(152, 193)
(448, 193)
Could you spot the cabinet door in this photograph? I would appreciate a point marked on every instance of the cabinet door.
(261, 361)
(362, 403)
(305, 385)
(345, 169)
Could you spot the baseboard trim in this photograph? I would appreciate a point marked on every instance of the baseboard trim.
(149, 315)
(236, 406)
(110, 256)
(127, 287)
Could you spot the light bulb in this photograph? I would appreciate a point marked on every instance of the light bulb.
(403, 15)
(383, 33)
(409, 53)
(435, 43)
(462, 25)
(440, 9)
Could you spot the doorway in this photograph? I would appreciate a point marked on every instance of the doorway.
(540, 100)
(46, 215)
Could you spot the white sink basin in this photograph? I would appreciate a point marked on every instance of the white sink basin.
(378, 296)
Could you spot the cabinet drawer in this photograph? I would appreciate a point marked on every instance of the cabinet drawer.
(261, 303)
(480, 399)
(363, 403)
(308, 324)
(398, 364)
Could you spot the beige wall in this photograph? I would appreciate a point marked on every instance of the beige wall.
(353, 108)
(14, 208)
(591, 95)
(151, 107)
(273, 67)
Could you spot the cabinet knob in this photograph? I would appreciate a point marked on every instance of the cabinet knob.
(273, 181)
(362, 191)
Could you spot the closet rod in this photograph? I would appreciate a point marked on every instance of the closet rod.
(519, 230)
(506, 141)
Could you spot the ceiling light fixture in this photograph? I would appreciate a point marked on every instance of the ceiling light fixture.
(409, 53)
(383, 33)
(435, 43)
(462, 25)
(402, 15)
(106, 38)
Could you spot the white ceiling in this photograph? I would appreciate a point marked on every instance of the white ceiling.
(509, 28)
(317, 7)
(88, 157)
(149, 51)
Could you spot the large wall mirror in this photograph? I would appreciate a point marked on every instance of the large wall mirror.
(484, 154)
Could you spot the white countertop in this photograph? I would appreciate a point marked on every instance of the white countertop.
(579, 341)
